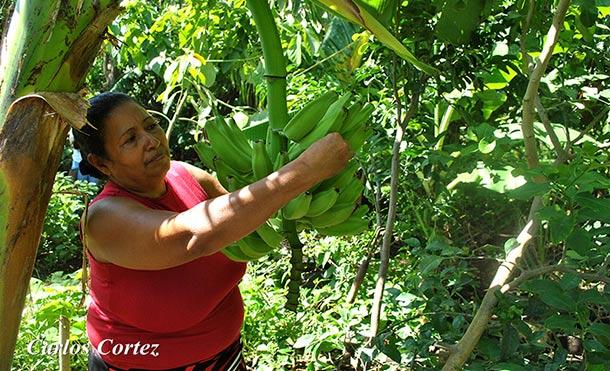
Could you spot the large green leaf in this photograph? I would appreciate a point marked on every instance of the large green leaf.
(383, 10)
(601, 332)
(559, 222)
(551, 293)
(356, 13)
(459, 18)
(593, 208)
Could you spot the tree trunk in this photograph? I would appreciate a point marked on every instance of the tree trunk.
(48, 46)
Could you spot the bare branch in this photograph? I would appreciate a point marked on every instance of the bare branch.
(469, 340)
(364, 266)
(524, 30)
(389, 229)
(462, 350)
(527, 124)
(590, 126)
(561, 153)
(552, 268)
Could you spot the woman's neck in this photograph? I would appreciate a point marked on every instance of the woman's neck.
(156, 190)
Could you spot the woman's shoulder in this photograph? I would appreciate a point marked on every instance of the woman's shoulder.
(112, 206)
(199, 175)
(193, 170)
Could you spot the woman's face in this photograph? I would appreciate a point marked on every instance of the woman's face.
(136, 148)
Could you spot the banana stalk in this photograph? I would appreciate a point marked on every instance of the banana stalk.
(275, 70)
(296, 260)
(48, 46)
(275, 64)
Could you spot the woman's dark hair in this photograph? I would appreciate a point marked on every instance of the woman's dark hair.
(90, 138)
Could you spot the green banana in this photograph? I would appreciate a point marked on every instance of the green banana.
(276, 223)
(273, 143)
(205, 153)
(322, 201)
(280, 160)
(358, 119)
(261, 164)
(340, 180)
(297, 207)
(352, 111)
(357, 137)
(309, 116)
(353, 225)
(351, 192)
(234, 253)
(253, 246)
(226, 147)
(268, 234)
(336, 126)
(335, 215)
(231, 184)
(361, 211)
(239, 138)
(224, 172)
(331, 119)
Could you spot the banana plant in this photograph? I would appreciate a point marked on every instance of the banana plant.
(46, 53)
(275, 73)
(328, 113)
(357, 12)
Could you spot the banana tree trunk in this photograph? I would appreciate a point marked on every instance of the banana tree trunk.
(49, 46)
(275, 73)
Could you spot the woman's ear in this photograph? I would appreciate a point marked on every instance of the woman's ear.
(99, 163)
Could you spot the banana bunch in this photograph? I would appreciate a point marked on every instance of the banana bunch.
(331, 207)
(255, 245)
(237, 163)
(326, 114)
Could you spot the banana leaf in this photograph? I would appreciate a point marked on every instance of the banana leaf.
(383, 10)
(358, 14)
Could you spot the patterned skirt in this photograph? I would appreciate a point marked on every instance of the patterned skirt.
(230, 359)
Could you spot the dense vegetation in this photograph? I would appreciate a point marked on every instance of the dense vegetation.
(465, 180)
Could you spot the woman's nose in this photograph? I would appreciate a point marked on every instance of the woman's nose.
(152, 141)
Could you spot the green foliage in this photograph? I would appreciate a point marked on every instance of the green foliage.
(60, 247)
(58, 295)
(464, 189)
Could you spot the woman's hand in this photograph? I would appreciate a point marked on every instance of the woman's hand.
(326, 157)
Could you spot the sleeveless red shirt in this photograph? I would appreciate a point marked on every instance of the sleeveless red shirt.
(184, 314)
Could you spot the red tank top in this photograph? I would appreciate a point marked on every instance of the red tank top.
(164, 318)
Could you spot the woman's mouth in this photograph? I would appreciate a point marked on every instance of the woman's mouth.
(157, 157)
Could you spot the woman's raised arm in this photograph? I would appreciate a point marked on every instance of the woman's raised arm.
(125, 233)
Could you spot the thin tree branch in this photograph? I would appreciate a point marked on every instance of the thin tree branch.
(462, 350)
(183, 96)
(561, 153)
(590, 126)
(160, 114)
(364, 266)
(524, 30)
(527, 124)
(526, 275)
(388, 234)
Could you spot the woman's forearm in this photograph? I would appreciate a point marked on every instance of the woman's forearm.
(219, 222)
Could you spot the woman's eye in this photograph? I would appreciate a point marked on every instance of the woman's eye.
(131, 139)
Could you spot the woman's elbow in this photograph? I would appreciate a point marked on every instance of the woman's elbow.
(203, 245)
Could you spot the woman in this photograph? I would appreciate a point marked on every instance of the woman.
(162, 295)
